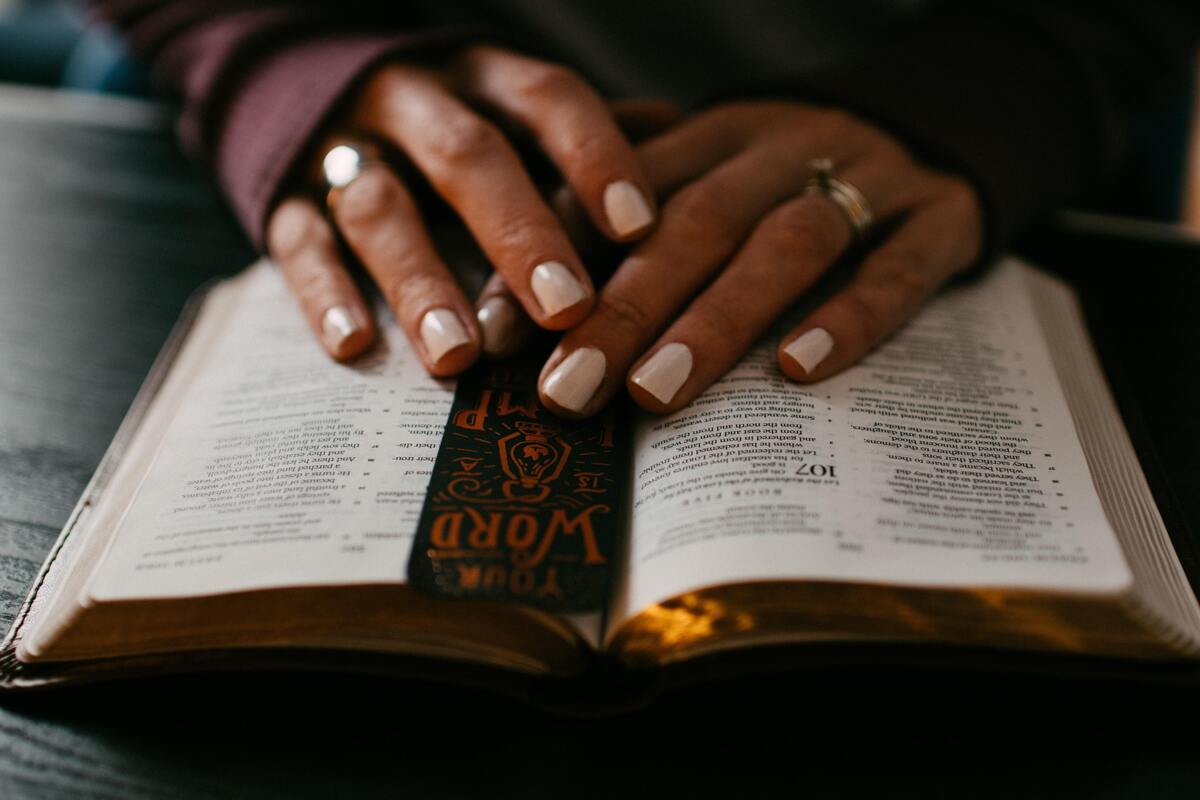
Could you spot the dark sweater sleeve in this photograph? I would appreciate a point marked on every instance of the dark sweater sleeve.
(1033, 102)
(257, 80)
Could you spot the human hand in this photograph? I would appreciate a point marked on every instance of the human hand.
(427, 115)
(740, 240)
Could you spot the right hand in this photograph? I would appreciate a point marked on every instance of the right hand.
(427, 115)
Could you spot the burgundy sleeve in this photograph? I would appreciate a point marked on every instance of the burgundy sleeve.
(1033, 102)
(257, 80)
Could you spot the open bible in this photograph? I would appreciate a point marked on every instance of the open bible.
(968, 485)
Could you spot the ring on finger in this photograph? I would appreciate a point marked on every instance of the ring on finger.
(343, 163)
(844, 195)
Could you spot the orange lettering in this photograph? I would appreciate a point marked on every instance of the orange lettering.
(473, 418)
(468, 575)
(485, 535)
(521, 532)
(505, 406)
(583, 522)
(550, 587)
(520, 581)
(446, 530)
(493, 577)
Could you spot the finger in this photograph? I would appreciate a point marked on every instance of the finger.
(668, 166)
(639, 119)
(789, 250)
(933, 244)
(304, 246)
(472, 166)
(381, 224)
(691, 148)
(575, 221)
(504, 325)
(574, 127)
(701, 227)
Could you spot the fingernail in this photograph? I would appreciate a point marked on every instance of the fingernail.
(337, 326)
(666, 371)
(441, 331)
(573, 382)
(810, 349)
(556, 287)
(626, 208)
(498, 322)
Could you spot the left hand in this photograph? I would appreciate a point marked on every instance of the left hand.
(739, 241)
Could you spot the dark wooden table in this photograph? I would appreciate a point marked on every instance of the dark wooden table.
(104, 232)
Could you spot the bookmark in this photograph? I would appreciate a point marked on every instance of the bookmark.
(522, 505)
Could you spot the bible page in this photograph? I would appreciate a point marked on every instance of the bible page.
(946, 458)
(280, 466)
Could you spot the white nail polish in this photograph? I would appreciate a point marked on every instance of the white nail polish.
(574, 381)
(666, 371)
(497, 321)
(626, 208)
(556, 287)
(441, 331)
(337, 326)
(810, 349)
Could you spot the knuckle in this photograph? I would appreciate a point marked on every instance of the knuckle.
(625, 315)
(370, 198)
(901, 271)
(721, 323)
(914, 283)
(701, 214)
(961, 197)
(865, 317)
(963, 214)
(804, 232)
(404, 290)
(517, 235)
(315, 286)
(293, 227)
(837, 121)
(542, 82)
(891, 152)
(465, 141)
(386, 80)
(587, 147)
(479, 52)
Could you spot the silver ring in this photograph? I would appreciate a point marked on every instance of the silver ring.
(848, 198)
(343, 164)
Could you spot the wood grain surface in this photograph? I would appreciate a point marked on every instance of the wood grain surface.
(104, 232)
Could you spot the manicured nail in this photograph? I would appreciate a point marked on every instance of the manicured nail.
(626, 208)
(556, 287)
(666, 371)
(498, 322)
(337, 326)
(810, 349)
(441, 331)
(573, 382)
